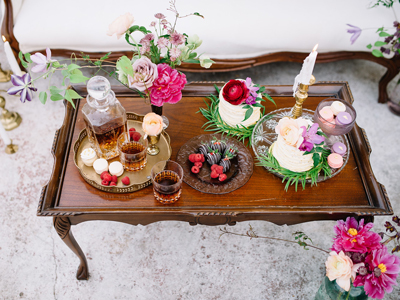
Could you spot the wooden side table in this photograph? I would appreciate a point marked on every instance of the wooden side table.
(70, 200)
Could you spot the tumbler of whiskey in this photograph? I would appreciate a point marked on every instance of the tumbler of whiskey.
(132, 154)
(166, 177)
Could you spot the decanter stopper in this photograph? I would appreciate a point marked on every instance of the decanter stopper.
(98, 87)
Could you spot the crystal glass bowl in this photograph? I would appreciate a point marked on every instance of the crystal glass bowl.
(331, 128)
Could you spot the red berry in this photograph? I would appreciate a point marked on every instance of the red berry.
(114, 178)
(126, 180)
(132, 129)
(195, 170)
(214, 174)
(135, 136)
(198, 164)
(219, 169)
(213, 167)
(192, 157)
(102, 175)
(107, 177)
(198, 157)
(202, 158)
(222, 177)
(112, 183)
(105, 182)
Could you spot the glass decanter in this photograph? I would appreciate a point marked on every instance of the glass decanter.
(104, 116)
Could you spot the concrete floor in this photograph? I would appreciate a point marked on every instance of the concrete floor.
(172, 260)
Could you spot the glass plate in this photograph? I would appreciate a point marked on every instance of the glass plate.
(240, 172)
(264, 136)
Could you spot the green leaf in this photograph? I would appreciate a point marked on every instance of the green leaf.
(269, 98)
(55, 90)
(68, 97)
(379, 44)
(383, 34)
(105, 56)
(56, 97)
(28, 57)
(23, 62)
(43, 97)
(72, 94)
(258, 105)
(380, 29)
(72, 67)
(248, 114)
(319, 149)
(125, 65)
(377, 53)
(76, 78)
(316, 158)
(199, 15)
(192, 61)
(192, 55)
(369, 46)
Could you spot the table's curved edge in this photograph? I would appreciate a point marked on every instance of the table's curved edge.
(376, 192)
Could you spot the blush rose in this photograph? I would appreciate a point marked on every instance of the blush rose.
(145, 72)
(290, 130)
(152, 124)
(120, 25)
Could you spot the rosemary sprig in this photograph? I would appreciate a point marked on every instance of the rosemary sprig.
(268, 161)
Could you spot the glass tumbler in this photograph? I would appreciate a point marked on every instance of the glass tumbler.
(166, 177)
(132, 154)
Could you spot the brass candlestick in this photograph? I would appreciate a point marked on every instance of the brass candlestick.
(301, 96)
(9, 119)
(5, 76)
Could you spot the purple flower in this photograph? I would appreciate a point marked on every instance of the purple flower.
(306, 146)
(251, 100)
(385, 50)
(22, 84)
(41, 61)
(355, 33)
(312, 135)
(253, 92)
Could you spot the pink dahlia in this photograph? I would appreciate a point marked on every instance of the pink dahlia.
(381, 273)
(352, 236)
(167, 88)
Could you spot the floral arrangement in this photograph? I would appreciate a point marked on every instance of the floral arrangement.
(299, 134)
(151, 70)
(359, 258)
(152, 124)
(236, 92)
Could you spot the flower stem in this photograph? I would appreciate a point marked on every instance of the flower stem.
(137, 46)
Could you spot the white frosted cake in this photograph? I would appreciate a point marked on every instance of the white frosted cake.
(235, 114)
(286, 148)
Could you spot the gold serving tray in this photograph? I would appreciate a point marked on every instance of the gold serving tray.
(139, 179)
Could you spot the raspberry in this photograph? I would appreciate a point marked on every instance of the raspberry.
(192, 157)
(135, 136)
(132, 130)
(222, 177)
(195, 170)
(202, 158)
(219, 169)
(113, 183)
(126, 180)
(107, 177)
(105, 182)
(213, 167)
(198, 164)
(198, 158)
(114, 179)
(102, 174)
(214, 174)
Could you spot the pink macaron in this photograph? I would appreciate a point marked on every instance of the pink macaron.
(335, 160)
(326, 114)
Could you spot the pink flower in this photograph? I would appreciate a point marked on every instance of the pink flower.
(147, 38)
(340, 267)
(145, 48)
(177, 39)
(174, 53)
(145, 72)
(153, 24)
(167, 88)
(159, 16)
(152, 124)
(162, 42)
(352, 236)
(382, 271)
(41, 61)
(164, 22)
(120, 25)
(290, 130)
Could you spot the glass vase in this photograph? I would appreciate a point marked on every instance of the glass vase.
(329, 290)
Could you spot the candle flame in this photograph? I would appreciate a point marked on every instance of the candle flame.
(4, 38)
(315, 48)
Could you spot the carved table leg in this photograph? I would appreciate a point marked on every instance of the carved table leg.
(63, 228)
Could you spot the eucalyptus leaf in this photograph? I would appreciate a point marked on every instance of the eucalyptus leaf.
(43, 97)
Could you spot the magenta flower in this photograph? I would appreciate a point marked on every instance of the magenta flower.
(352, 236)
(41, 61)
(382, 269)
(167, 88)
(355, 33)
(23, 85)
(177, 39)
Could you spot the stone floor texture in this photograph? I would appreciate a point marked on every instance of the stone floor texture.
(172, 260)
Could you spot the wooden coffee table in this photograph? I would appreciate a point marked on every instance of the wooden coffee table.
(70, 200)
